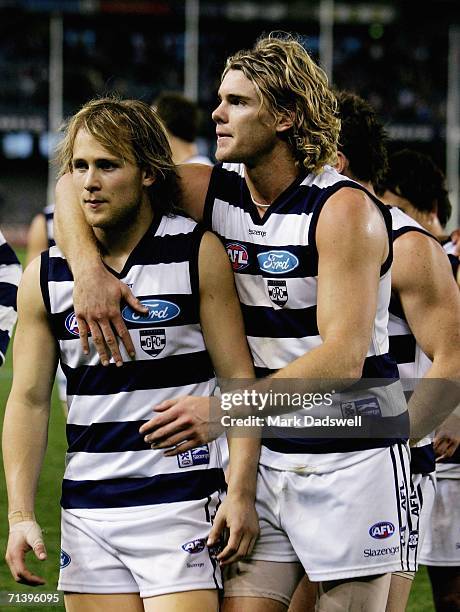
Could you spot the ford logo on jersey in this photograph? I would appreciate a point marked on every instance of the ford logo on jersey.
(71, 324)
(159, 312)
(277, 262)
(64, 559)
(194, 546)
(382, 530)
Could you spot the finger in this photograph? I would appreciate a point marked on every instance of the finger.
(167, 404)
(231, 551)
(157, 422)
(182, 448)
(166, 433)
(181, 438)
(26, 577)
(111, 342)
(216, 529)
(132, 300)
(99, 343)
(124, 335)
(83, 331)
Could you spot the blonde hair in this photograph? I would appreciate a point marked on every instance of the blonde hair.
(131, 130)
(290, 83)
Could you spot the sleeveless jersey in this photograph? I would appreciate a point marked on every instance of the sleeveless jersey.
(108, 464)
(10, 275)
(275, 261)
(412, 361)
(450, 468)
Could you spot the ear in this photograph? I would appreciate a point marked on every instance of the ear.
(284, 122)
(342, 163)
(148, 178)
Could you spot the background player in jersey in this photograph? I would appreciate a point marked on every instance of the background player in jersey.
(293, 213)
(10, 274)
(134, 521)
(425, 303)
(181, 118)
(417, 186)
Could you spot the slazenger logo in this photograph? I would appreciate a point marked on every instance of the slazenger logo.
(277, 262)
(238, 256)
(159, 311)
(382, 530)
(381, 552)
(194, 546)
(71, 324)
(64, 559)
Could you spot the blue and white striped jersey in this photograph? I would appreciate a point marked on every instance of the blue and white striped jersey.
(108, 464)
(412, 361)
(10, 275)
(275, 261)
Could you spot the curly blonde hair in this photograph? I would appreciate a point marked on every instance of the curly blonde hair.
(131, 130)
(290, 83)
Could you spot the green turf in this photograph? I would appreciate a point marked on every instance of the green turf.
(47, 511)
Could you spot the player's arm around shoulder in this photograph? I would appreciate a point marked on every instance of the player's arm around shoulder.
(26, 422)
(194, 183)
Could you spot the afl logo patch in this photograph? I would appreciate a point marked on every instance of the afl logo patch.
(159, 312)
(382, 530)
(238, 256)
(71, 324)
(64, 559)
(277, 262)
(194, 546)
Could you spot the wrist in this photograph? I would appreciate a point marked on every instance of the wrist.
(18, 516)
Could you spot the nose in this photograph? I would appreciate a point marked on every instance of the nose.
(92, 182)
(219, 114)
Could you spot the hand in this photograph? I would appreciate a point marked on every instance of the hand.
(239, 515)
(97, 296)
(25, 536)
(185, 421)
(447, 438)
(455, 237)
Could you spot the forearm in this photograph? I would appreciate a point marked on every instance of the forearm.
(435, 397)
(244, 448)
(24, 443)
(76, 239)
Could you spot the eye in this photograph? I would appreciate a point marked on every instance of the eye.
(106, 164)
(79, 164)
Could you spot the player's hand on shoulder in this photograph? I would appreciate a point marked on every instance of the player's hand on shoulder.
(98, 298)
(455, 237)
(23, 537)
(235, 529)
(447, 438)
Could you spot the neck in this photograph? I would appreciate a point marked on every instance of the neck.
(267, 179)
(181, 149)
(118, 241)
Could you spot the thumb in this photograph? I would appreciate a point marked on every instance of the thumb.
(34, 539)
(217, 528)
(132, 300)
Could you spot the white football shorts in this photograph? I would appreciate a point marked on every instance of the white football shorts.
(360, 520)
(441, 546)
(150, 550)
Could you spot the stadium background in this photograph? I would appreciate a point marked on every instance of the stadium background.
(404, 57)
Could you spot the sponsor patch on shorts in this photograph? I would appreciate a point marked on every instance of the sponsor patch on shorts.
(194, 546)
(363, 407)
(64, 559)
(195, 456)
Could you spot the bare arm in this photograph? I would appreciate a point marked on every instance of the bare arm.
(423, 279)
(194, 183)
(25, 428)
(352, 245)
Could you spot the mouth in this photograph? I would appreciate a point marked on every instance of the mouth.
(94, 203)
